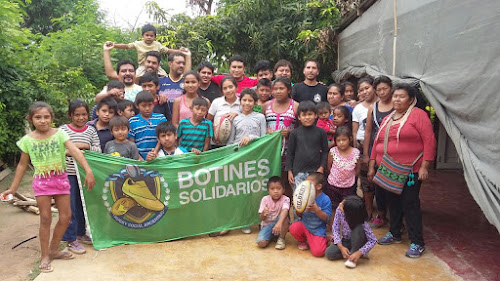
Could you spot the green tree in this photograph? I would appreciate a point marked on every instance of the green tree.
(41, 15)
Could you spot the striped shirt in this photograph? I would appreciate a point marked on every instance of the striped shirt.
(192, 136)
(143, 132)
(87, 135)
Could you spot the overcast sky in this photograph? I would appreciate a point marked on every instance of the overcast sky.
(123, 13)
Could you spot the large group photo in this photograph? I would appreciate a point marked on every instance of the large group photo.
(184, 140)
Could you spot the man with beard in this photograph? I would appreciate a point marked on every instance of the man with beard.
(125, 73)
(172, 85)
(310, 89)
(207, 89)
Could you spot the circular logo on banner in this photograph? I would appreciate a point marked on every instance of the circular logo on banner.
(137, 199)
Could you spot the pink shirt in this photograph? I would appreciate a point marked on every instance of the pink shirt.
(243, 84)
(274, 207)
(415, 137)
(343, 171)
(184, 110)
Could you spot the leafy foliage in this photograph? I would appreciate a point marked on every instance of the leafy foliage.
(257, 29)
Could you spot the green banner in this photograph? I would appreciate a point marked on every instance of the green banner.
(178, 196)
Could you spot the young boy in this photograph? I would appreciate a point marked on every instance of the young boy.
(312, 228)
(126, 108)
(142, 126)
(115, 89)
(121, 146)
(149, 82)
(307, 146)
(194, 133)
(147, 44)
(167, 137)
(264, 94)
(105, 110)
(263, 69)
(273, 212)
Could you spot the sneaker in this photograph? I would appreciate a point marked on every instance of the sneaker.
(246, 230)
(377, 222)
(303, 246)
(280, 244)
(350, 264)
(415, 251)
(76, 248)
(85, 239)
(388, 239)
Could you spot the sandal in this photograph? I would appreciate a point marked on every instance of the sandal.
(45, 267)
(84, 239)
(64, 256)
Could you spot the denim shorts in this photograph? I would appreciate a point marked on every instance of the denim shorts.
(266, 232)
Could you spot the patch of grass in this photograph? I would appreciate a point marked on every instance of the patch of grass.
(35, 271)
(36, 267)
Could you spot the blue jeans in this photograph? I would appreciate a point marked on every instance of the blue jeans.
(300, 177)
(77, 223)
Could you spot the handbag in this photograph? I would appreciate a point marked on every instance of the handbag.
(392, 175)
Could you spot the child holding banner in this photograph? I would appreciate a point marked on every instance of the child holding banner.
(46, 147)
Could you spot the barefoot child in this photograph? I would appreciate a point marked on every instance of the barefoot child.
(273, 212)
(83, 137)
(312, 228)
(357, 238)
(46, 148)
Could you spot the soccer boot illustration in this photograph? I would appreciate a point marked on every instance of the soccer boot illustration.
(139, 191)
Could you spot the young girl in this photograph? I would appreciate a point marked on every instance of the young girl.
(341, 116)
(377, 112)
(357, 238)
(344, 165)
(248, 125)
(359, 115)
(349, 94)
(324, 121)
(46, 148)
(83, 137)
(229, 104)
(281, 115)
(181, 108)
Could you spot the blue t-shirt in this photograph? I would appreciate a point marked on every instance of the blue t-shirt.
(171, 89)
(192, 136)
(143, 132)
(312, 222)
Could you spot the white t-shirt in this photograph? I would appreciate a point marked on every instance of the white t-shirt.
(178, 150)
(359, 115)
(220, 106)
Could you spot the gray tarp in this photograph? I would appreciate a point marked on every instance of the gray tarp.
(452, 50)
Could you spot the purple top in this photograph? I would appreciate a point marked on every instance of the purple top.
(339, 221)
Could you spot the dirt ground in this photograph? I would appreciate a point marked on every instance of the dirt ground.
(231, 257)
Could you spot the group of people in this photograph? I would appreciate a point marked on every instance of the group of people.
(330, 136)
